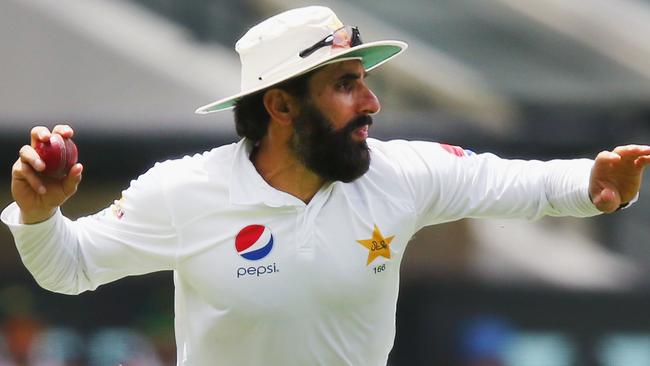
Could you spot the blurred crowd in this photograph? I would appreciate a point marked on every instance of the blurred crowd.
(28, 340)
(67, 347)
(489, 340)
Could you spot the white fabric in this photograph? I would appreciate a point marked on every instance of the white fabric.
(274, 44)
(314, 299)
(270, 51)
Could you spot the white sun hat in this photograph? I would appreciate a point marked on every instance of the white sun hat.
(295, 42)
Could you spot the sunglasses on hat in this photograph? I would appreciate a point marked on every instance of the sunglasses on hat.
(344, 37)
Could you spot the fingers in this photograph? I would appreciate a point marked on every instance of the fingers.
(638, 155)
(28, 155)
(42, 133)
(607, 200)
(72, 180)
(29, 163)
(642, 161)
(632, 151)
(608, 156)
(605, 154)
(64, 130)
(23, 171)
(27, 166)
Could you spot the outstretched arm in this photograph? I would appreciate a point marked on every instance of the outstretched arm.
(616, 176)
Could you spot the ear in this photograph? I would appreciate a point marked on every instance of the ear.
(280, 105)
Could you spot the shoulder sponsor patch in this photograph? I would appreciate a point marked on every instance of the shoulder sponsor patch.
(457, 150)
(115, 211)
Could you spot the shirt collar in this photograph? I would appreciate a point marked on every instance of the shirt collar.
(247, 187)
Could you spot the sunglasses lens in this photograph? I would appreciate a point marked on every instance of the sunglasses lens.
(346, 37)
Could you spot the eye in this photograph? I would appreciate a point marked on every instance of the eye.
(344, 85)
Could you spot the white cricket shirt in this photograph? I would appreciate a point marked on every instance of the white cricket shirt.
(262, 278)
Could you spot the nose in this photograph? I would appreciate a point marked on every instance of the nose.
(369, 103)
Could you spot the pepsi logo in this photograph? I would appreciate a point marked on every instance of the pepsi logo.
(254, 242)
(457, 150)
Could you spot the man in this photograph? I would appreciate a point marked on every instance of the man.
(286, 246)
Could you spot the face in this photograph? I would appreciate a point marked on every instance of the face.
(341, 92)
(332, 127)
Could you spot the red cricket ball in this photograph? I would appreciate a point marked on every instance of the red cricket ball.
(59, 155)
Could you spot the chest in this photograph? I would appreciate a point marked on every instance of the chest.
(336, 252)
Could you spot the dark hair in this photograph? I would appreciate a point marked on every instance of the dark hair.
(251, 116)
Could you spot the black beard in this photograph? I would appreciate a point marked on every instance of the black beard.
(332, 154)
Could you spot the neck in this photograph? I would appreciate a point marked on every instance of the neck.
(280, 168)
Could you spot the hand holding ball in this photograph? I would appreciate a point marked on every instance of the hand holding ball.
(59, 155)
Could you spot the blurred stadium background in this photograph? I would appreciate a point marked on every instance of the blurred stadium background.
(520, 78)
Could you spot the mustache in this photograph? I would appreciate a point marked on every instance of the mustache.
(360, 121)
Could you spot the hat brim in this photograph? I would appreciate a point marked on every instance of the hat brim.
(372, 55)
